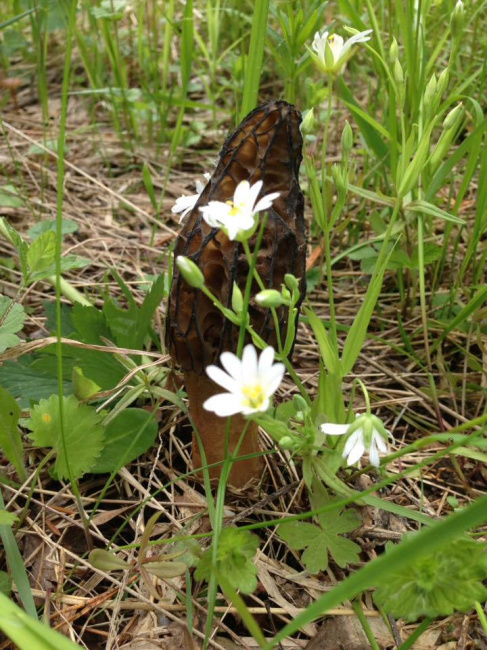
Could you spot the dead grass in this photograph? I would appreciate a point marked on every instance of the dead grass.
(105, 195)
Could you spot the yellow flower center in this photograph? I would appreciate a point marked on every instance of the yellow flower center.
(255, 396)
(236, 209)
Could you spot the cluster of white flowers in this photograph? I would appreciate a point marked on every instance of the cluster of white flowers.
(252, 381)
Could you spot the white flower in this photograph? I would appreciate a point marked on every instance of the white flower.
(186, 203)
(367, 434)
(237, 216)
(332, 52)
(250, 381)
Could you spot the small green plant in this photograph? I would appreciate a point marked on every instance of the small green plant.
(438, 584)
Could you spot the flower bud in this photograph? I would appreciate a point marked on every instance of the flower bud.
(457, 20)
(442, 84)
(237, 299)
(286, 442)
(347, 139)
(308, 123)
(291, 282)
(338, 178)
(190, 272)
(398, 73)
(430, 90)
(269, 298)
(393, 52)
(451, 119)
(299, 403)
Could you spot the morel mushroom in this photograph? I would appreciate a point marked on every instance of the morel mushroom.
(267, 146)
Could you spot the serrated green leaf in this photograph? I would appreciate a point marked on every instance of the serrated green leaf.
(10, 440)
(7, 518)
(68, 263)
(234, 561)
(13, 323)
(319, 541)
(127, 437)
(41, 253)
(83, 434)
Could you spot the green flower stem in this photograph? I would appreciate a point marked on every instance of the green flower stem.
(357, 608)
(326, 229)
(366, 394)
(262, 287)
(248, 284)
(217, 522)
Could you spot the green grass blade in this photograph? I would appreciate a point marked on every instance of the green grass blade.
(17, 567)
(256, 56)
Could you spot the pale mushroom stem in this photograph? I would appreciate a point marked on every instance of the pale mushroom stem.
(212, 430)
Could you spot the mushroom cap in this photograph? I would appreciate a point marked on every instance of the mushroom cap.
(266, 146)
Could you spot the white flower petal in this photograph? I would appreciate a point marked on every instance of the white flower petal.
(232, 365)
(356, 452)
(249, 363)
(274, 377)
(253, 194)
(241, 194)
(332, 429)
(223, 404)
(266, 360)
(380, 442)
(374, 454)
(222, 379)
(266, 202)
(357, 436)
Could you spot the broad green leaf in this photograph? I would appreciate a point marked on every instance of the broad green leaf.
(234, 560)
(83, 434)
(67, 226)
(41, 253)
(68, 263)
(319, 540)
(127, 437)
(26, 383)
(13, 322)
(10, 440)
